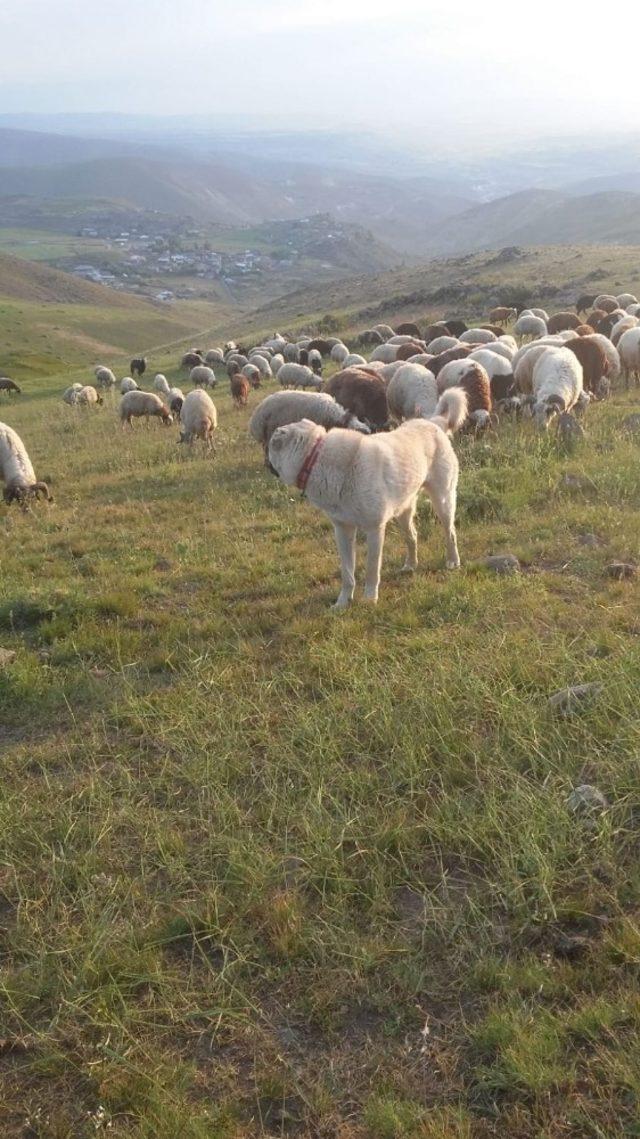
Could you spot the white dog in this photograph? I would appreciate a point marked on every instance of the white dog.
(363, 481)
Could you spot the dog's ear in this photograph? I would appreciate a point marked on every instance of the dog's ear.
(277, 439)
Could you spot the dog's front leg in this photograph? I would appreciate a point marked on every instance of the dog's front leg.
(375, 542)
(346, 543)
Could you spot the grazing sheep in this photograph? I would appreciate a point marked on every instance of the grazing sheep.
(276, 363)
(369, 337)
(138, 366)
(191, 359)
(385, 330)
(424, 358)
(198, 418)
(443, 344)
(385, 352)
(175, 399)
(250, 373)
(282, 408)
(477, 336)
(262, 364)
(160, 384)
(291, 353)
(322, 344)
(560, 321)
(17, 471)
(314, 360)
(213, 356)
(585, 302)
(412, 393)
(612, 354)
(411, 348)
(362, 393)
(476, 385)
(594, 317)
(606, 301)
(239, 386)
(626, 299)
(9, 386)
(608, 322)
(629, 350)
(203, 377)
(557, 384)
(494, 364)
(339, 353)
(584, 330)
(128, 385)
(409, 329)
(530, 325)
(104, 377)
(502, 315)
(71, 394)
(623, 325)
(354, 360)
(439, 328)
(88, 397)
(595, 365)
(540, 312)
(455, 327)
(633, 310)
(460, 352)
(524, 363)
(138, 405)
(298, 376)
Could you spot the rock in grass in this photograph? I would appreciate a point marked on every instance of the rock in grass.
(7, 657)
(502, 563)
(570, 700)
(591, 540)
(569, 431)
(587, 800)
(621, 571)
(631, 424)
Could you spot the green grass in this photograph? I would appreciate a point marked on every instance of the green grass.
(47, 245)
(269, 871)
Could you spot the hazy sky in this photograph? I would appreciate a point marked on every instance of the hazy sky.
(431, 67)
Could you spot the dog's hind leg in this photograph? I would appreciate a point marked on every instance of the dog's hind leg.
(406, 522)
(444, 504)
(346, 543)
(375, 542)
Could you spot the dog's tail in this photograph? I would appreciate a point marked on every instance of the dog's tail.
(451, 410)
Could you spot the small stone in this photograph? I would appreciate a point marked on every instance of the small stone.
(568, 700)
(621, 571)
(293, 869)
(502, 563)
(631, 424)
(587, 799)
(591, 540)
(7, 657)
(162, 565)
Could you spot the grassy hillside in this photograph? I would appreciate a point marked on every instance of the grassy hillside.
(268, 871)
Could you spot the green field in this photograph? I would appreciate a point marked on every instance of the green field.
(46, 245)
(266, 870)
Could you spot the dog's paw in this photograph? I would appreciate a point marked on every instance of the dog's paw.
(408, 568)
(453, 565)
(340, 606)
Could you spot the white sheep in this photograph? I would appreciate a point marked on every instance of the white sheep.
(128, 385)
(70, 396)
(633, 309)
(541, 313)
(478, 336)
(412, 393)
(604, 299)
(203, 377)
(161, 384)
(277, 361)
(493, 363)
(88, 397)
(214, 356)
(198, 418)
(400, 338)
(17, 471)
(282, 408)
(136, 405)
(104, 377)
(629, 351)
(298, 376)
(453, 372)
(557, 384)
(423, 358)
(524, 364)
(262, 364)
(354, 360)
(175, 399)
(626, 299)
(339, 353)
(384, 330)
(528, 324)
(291, 353)
(386, 353)
(623, 325)
(443, 344)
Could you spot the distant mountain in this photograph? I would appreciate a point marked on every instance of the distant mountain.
(625, 182)
(541, 217)
(19, 148)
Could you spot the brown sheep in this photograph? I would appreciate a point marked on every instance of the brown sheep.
(322, 346)
(584, 330)
(362, 393)
(584, 303)
(239, 386)
(560, 321)
(595, 316)
(606, 324)
(7, 385)
(455, 327)
(595, 365)
(477, 386)
(438, 329)
(191, 359)
(370, 336)
(413, 348)
(409, 329)
(439, 361)
(502, 315)
(609, 304)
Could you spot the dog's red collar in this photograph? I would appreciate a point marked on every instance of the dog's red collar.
(308, 465)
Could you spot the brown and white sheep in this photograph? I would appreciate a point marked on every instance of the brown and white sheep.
(362, 393)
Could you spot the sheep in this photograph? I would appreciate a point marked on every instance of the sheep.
(557, 384)
(608, 322)
(626, 299)
(323, 344)
(298, 376)
(523, 366)
(411, 348)
(476, 385)
(400, 339)
(453, 371)
(424, 358)
(385, 331)
(455, 327)
(276, 363)
(175, 399)
(198, 418)
(339, 353)
(460, 352)
(137, 404)
(584, 330)
(282, 408)
(354, 361)
(71, 394)
(9, 386)
(88, 397)
(477, 336)
(594, 317)
(250, 373)
(128, 385)
(291, 353)
(502, 315)
(532, 326)
(541, 313)
(611, 352)
(262, 364)
(409, 329)
(385, 352)
(493, 364)
(560, 321)
(314, 360)
(633, 310)
(412, 393)
(606, 301)
(433, 331)
(629, 350)
(595, 365)
(623, 325)
(203, 377)
(138, 365)
(104, 377)
(369, 337)
(443, 344)
(17, 471)
(585, 302)
(191, 359)
(362, 393)
(239, 386)
(160, 384)
(213, 356)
